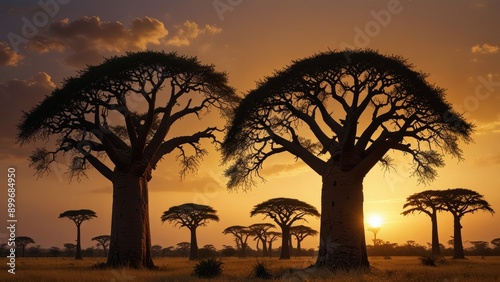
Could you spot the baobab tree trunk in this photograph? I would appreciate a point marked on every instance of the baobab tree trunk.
(458, 248)
(435, 237)
(285, 245)
(342, 235)
(264, 247)
(130, 244)
(78, 243)
(298, 251)
(193, 250)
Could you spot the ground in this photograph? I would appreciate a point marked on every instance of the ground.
(406, 269)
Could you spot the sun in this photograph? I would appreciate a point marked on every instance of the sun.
(375, 220)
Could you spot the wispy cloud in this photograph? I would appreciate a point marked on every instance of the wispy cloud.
(190, 30)
(8, 57)
(484, 49)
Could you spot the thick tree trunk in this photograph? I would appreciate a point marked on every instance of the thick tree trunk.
(270, 249)
(130, 244)
(193, 251)
(435, 237)
(342, 235)
(298, 251)
(264, 247)
(78, 244)
(285, 245)
(458, 248)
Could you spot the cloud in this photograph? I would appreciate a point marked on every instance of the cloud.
(484, 49)
(488, 160)
(286, 170)
(488, 128)
(8, 57)
(189, 31)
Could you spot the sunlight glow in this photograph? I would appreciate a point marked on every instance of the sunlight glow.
(375, 220)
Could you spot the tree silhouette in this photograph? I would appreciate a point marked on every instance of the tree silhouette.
(23, 241)
(301, 232)
(241, 234)
(459, 202)
(271, 237)
(284, 211)
(340, 113)
(69, 248)
(103, 240)
(191, 216)
(496, 243)
(118, 117)
(259, 230)
(78, 217)
(375, 231)
(428, 202)
(183, 248)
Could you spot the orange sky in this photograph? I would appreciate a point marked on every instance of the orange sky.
(456, 42)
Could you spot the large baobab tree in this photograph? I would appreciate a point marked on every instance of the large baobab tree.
(259, 230)
(428, 202)
(341, 113)
(459, 202)
(78, 217)
(22, 242)
(241, 234)
(103, 240)
(122, 117)
(285, 212)
(300, 232)
(191, 216)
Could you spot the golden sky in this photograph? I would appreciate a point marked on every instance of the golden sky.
(455, 42)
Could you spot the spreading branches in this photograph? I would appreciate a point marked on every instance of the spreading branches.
(347, 108)
(190, 215)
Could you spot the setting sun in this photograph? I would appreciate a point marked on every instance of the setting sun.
(375, 220)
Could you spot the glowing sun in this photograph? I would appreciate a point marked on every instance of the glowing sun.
(375, 220)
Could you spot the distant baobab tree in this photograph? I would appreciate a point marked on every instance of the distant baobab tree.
(341, 113)
(428, 202)
(285, 212)
(496, 243)
(23, 241)
(117, 117)
(459, 202)
(241, 234)
(78, 217)
(69, 248)
(271, 237)
(300, 232)
(103, 241)
(259, 230)
(191, 216)
(375, 231)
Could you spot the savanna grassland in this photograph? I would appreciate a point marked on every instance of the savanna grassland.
(236, 269)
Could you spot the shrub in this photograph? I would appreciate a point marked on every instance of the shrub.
(429, 260)
(208, 268)
(261, 271)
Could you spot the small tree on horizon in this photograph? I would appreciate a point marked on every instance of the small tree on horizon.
(259, 230)
(271, 237)
(69, 248)
(241, 234)
(23, 241)
(459, 202)
(192, 216)
(78, 217)
(301, 232)
(103, 241)
(285, 212)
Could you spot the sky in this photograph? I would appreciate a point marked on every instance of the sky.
(43, 42)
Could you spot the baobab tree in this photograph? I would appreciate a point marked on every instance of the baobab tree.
(459, 202)
(78, 217)
(241, 234)
(428, 202)
(375, 231)
(285, 212)
(300, 232)
(122, 117)
(103, 240)
(259, 230)
(22, 242)
(271, 237)
(341, 113)
(191, 216)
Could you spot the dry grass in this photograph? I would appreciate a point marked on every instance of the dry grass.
(179, 269)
